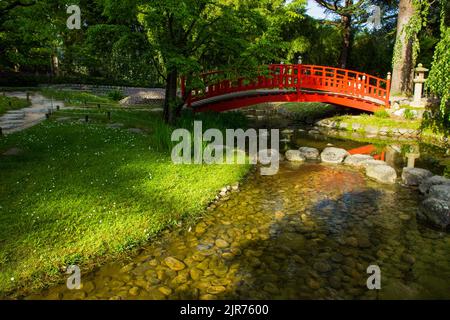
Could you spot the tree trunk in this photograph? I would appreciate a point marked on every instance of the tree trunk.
(170, 101)
(54, 65)
(403, 60)
(346, 40)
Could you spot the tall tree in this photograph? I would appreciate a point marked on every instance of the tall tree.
(403, 52)
(348, 11)
(192, 36)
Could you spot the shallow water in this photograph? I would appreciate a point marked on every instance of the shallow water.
(309, 232)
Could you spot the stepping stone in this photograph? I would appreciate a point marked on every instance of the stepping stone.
(13, 152)
(135, 130)
(157, 110)
(16, 112)
(62, 119)
(115, 125)
(382, 173)
(8, 126)
(17, 121)
(14, 116)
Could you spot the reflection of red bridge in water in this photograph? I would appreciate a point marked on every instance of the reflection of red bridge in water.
(369, 150)
(292, 83)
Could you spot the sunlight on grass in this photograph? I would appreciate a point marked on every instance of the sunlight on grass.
(83, 191)
(379, 122)
(76, 98)
(12, 103)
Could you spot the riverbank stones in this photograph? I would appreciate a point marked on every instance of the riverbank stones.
(441, 192)
(372, 163)
(435, 212)
(294, 156)
(220, 243)
(321, 266)
(382, 173)
(425, 186)
(414, 176)
(333, 155)
(357, 160)
(174, 264)
(309, 153)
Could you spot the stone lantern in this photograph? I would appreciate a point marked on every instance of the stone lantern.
(419, 80)
(412, 155)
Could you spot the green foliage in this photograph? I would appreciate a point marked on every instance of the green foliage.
(12, 103)
(81, 192)
(315, 42)
(409, 114)
(382, 113)
(417, 22)
(439, 77)
(74, 97)
(116, 95)
(371, 120)
(372, 51)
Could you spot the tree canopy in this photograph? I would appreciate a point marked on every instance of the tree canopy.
(155, 43)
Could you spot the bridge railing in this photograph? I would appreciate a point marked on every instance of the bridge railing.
(299, 78)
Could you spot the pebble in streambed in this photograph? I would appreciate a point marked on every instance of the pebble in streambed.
(309, 232)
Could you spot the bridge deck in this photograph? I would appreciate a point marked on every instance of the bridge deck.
(261, 92)
(293, 83)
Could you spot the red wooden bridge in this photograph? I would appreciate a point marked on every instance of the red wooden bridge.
(292, 83)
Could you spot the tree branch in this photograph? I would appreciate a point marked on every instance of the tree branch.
(333, 7)
(14, 4)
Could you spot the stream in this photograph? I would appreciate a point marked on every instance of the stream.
(308, 232)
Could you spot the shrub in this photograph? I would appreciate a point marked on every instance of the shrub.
(409, 114)
(116, 95)
(382, 113)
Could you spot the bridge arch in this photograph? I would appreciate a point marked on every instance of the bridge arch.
(293, 83)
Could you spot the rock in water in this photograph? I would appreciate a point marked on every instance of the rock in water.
(436, 212)
(222, 243)
(429, 182)
(309, 153)
(135, 130)
(13, 152)
(357, 159)
(414, 176)
(441, 192)
(333, 155)
(372, 163)
(294, 155)
(382, 173)
(174, 263)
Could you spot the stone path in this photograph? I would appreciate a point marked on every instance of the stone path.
(16, 120)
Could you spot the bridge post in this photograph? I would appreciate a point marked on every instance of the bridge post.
(388, 89)
(183, 85)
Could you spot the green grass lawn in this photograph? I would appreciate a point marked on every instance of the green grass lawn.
(84, 193)
(77, 98)
(372, 120)
(12, 103)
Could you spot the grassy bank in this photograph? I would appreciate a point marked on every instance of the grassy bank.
(80, 193)
(77, 98)
(379, 122)
(12, 103)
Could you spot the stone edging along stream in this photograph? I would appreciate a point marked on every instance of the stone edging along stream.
(435, 209)
(383, 132)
